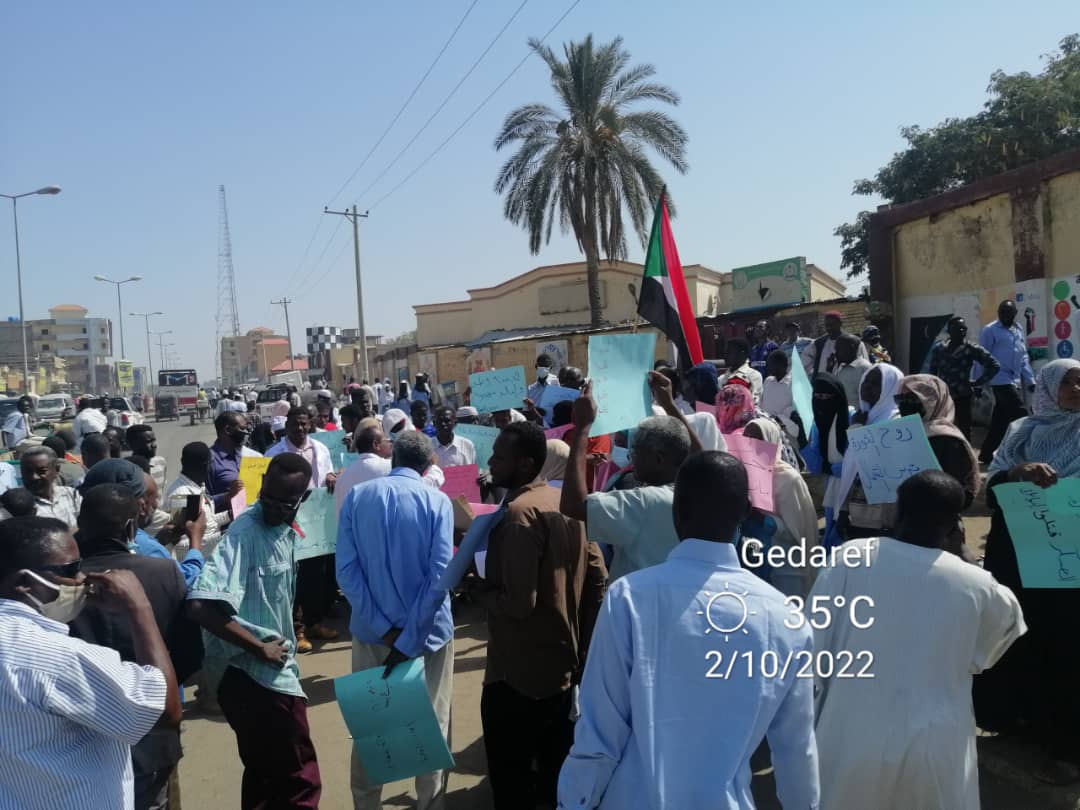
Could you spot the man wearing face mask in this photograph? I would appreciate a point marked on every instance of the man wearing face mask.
(244, 602)
(106, 528)
(72, 710)
(223, 481)
(953, 361)
(544, 378)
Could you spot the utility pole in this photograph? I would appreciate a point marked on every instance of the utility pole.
(355, 218)
(284, 302)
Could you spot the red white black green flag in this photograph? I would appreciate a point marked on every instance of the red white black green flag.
(664, 301)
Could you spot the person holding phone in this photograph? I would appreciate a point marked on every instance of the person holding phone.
(187, 496)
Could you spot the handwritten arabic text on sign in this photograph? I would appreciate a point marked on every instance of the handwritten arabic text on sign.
(619, 366)
(483, 439)
(1044, 525)
(889, 453)
(394, 728)
(498, 390)
(252, 470)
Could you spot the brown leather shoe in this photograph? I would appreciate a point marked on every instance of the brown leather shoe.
(302, 644)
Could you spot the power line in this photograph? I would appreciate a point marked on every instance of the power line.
(371, 151)
(419, 84)
(445, 101)
(475, 111)
(333, 263)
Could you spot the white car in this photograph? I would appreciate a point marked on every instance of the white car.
(119, 410)
(55, 408)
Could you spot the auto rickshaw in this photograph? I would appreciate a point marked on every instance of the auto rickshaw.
(166, 407)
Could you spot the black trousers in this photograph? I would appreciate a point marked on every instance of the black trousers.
(316, 587)
(1008, 407)
(519, 730)
(963, 413)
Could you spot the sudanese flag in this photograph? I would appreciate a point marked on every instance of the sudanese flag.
(664, 301)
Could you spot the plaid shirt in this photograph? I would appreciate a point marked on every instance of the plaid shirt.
(954, 367)
(252, 574)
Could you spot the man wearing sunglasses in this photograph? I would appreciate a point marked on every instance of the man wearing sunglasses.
(244, 601)
(72, 710)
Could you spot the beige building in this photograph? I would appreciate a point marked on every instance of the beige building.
(250, 356)
(555, 296)
(1013, 235)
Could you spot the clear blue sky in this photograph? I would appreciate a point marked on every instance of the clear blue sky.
(140, 110)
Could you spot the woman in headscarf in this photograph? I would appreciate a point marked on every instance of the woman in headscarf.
(928, 397)
(1032, 690)
(827, 443)
(793, 511)
(404, 400)
(734, 410)
(554, 469)
(856, 517)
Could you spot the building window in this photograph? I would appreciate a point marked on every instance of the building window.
(44, 331)
(44, 347)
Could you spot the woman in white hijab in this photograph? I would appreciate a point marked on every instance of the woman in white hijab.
(793, 510)
(877, 394)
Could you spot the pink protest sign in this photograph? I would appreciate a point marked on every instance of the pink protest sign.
(759, 458)
(559, 432)
(483, 508)
(462, 481)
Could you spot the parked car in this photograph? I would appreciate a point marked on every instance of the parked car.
(55, 408)
(120, 410)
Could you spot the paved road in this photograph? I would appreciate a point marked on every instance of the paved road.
(173, 435)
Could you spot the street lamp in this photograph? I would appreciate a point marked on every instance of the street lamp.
(119, 306)
(18, 272)
(149, 356)
(161, 346)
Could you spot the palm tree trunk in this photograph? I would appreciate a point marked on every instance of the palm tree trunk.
(592, 253)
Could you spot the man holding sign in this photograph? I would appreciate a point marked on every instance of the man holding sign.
(395, 539)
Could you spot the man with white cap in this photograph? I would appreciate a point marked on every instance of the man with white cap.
(467, 415)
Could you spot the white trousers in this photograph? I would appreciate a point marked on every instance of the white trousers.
(439, 674)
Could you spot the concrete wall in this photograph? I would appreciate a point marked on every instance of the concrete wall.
(1021, 243)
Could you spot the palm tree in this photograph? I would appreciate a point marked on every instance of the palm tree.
(585, 167)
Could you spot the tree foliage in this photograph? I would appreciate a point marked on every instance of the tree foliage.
(1026, 118)
(588, 164)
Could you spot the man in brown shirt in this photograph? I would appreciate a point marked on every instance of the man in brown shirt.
(544, 582)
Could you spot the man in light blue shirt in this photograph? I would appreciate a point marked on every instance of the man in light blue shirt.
(1004, 339)
(17, 424)
(679, 685)
(544, 378)
(635, 522)
(395, 539)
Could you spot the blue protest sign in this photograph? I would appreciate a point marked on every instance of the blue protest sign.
(1044, 525)
(335, 443)
(394, 729)
(889, 453)
(317, 519)
(498, 390)
(619, 367)
(802, 392)
(483, 439)
(552, 396)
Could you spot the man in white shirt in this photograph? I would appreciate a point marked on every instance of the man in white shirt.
(194, 468)
(451, 450)
(17, 424)
(544, 378)
(374, 451)
(850, 367)
(820, 355)
(776, 398)
(297, 440)
(911, 668)
(88, 420)
(72, 710)
(738, 367)
(40, 468)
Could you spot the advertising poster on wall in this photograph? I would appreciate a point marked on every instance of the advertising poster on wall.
(1064, 316)
(478, 360)
(557, 350)
(1034, 318)
(770, 284)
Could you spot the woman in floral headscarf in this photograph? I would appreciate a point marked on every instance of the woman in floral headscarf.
(1032, 690)
(734, 410)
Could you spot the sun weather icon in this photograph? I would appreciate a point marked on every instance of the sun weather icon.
(742, 611)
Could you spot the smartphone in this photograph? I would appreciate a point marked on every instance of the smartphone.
(194, 506)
